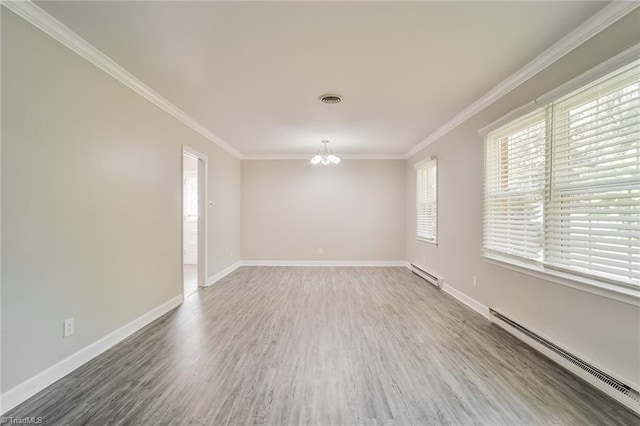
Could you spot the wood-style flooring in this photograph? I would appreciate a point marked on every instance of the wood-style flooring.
(322, 346)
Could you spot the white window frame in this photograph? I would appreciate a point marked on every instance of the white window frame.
(423, 196)
(591, 284)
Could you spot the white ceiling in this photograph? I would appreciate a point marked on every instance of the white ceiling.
(251, 72)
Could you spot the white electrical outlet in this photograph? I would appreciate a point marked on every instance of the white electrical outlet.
(475, 281)
(69, 327)
(320, 251)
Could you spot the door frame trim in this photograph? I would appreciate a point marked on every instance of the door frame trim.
(203, 178)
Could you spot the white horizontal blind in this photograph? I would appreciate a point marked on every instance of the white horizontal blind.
(426, 201)
(593, 211)
(562, 185)
(514, 188)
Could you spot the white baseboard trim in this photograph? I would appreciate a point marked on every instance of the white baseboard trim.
(376, 263)
(226, 271)
(623, 399)
(35, 384)
(472, 303)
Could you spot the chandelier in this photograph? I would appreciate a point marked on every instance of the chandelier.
(325, 156)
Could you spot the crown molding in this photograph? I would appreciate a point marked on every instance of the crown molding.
(609, 14)
(33, 14)
(37, 17)
(308, 156)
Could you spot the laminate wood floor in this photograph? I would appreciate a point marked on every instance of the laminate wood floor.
(326, 346)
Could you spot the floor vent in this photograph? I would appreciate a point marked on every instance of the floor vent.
(604, 378)
(432, 279)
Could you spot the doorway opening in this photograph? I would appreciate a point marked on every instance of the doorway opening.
(190, 224)
(194, 170)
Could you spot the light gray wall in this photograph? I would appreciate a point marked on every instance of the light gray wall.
(354, 211)
(91, 213)
(601, 330)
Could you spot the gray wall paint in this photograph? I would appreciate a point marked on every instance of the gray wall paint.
(91, 212)
(601, 330)
(354, 211)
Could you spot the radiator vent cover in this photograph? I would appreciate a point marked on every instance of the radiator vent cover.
(600, 375)
(427, 276)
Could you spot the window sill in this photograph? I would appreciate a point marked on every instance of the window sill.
(427, 242)
(600, 288)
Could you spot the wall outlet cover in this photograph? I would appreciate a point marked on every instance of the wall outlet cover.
(69, 327)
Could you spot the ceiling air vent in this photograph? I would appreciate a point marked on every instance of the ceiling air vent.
(330, 98)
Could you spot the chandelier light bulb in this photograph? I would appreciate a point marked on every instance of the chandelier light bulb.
(325, 156)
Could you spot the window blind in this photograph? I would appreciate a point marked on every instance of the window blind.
(593, 212)
(562, 184)
(514, 187)
(426, 201)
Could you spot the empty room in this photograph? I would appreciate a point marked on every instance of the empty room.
(320, 213)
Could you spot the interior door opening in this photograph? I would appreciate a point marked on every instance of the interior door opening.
(190, 215)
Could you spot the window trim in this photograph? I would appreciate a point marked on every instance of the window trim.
(428, 242)
(618, 61)
(579, 282)
(598, 286)
(418, 166)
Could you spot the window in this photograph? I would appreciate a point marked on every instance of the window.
(426, 201)
(562, 184)
(191, 193)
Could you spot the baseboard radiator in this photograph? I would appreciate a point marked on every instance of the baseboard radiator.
(427, 276)
(612, 383)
